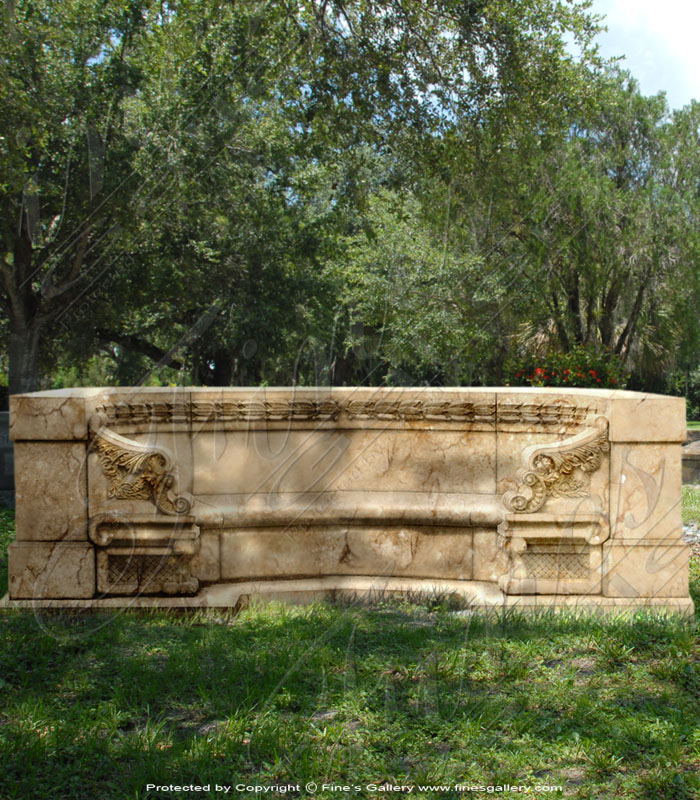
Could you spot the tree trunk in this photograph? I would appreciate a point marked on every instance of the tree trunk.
(606, 325)
(223, 368)
(560, 326)
(24, 357)
(574, 307)
(624, 341)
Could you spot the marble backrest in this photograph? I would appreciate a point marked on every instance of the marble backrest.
(536, 491)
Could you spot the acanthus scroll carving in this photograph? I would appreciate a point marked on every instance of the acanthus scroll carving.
(137, 471)
(558, 470)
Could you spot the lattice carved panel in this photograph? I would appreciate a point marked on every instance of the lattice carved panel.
(556, 566)
(144, 573)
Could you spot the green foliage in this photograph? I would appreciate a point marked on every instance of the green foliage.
(99, 705)
(7, 534)
(111, 369)
(581, 367)
(407, 297)
(591, 228)
(691, 504)
(66, 71)
(686, 384)
(305, 193)
(177, 158)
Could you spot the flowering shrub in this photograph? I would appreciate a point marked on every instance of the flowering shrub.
(580, 367)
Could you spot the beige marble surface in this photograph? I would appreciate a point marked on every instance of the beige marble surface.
(637, 569)
(40, 416)
(347, 550)
(281, 462)
(300, 491)
(206, 563)
(639, 417)
(645, 492)
(47, 570)
(477, 597)
(50, 491)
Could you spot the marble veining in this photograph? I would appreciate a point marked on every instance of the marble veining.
(196, 497)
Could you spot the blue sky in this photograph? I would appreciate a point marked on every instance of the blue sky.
(660, 42)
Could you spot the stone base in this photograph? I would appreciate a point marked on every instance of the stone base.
(51, 570)
(477, 596)
(504, 496)
(606, 605)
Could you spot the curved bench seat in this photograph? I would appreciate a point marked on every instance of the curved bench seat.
(192, 496)
(333, 508)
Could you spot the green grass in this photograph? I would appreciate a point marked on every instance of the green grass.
(693, 425)
(97, 706)
(7, 533)
(691, 504)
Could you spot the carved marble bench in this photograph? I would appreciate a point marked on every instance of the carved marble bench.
(202, 497)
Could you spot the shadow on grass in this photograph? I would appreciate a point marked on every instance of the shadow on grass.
(100, 705)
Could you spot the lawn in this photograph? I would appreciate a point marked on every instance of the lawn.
(99, 706)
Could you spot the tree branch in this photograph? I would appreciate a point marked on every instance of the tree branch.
(625, 338)
(132, 342)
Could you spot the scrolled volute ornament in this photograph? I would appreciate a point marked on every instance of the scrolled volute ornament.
(137, 471)
(558, 470)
